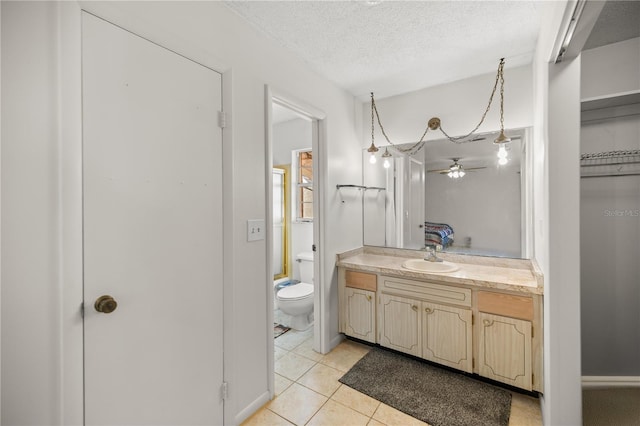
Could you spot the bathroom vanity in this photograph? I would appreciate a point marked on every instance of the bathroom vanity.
(483, 316)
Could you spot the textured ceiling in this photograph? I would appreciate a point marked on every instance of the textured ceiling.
(394, 47)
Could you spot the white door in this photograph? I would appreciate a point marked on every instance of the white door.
(414, 204)
(152, 232)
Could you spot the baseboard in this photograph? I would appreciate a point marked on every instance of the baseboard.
(335, 341)
(252, 408)
(590, 382)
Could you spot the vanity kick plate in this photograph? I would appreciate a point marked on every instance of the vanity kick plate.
(433, 292)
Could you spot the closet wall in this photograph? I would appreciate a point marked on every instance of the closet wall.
(610, 212)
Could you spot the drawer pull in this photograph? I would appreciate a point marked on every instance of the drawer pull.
(487, 323)
(369, 297)
(414, 307)
(428, 310)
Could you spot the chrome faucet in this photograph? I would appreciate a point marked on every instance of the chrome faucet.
(431, 255)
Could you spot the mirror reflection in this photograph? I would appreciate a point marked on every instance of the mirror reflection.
(461, 197)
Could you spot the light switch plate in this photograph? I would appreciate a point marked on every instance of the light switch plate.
(255, 230)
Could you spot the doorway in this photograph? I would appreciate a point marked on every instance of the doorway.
(152, 232)
(294, 134)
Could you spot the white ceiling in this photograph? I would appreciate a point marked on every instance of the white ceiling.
(394, 47)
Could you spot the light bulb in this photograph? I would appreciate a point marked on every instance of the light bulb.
(461, 173)
(502, 152)
(372, 158)
(450, 174)
(386, 163)
(503, 161)
(456, 174)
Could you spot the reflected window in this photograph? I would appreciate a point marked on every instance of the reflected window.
(304, 185)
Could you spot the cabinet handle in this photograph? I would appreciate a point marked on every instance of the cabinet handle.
(369, 297)
(428, 310)
(487, 323)
(414, 307)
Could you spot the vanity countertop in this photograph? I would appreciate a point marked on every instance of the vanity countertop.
(518, 275)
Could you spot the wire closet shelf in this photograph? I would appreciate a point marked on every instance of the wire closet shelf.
(610, 164)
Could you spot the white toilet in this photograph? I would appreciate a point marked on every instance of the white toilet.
(297, 300)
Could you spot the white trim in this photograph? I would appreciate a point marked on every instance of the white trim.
(228, 225)
(253, 407)
(318, 120)
(268, 166)
(591, 382)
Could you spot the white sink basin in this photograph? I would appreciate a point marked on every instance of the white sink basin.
(421, 265)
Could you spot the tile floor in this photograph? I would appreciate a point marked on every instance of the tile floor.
(308, 391)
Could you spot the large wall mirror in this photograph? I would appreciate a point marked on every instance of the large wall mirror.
(453, 195)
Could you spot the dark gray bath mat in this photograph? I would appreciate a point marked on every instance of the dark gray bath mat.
(434, 395)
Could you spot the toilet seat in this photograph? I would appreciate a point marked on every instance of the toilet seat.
(295, 292)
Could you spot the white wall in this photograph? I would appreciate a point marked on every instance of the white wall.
(459, 105)
(556, 220)
(34, 318)
(288, 136)
(31, 335)
(610, 249)
(611, 69)
(610, 228)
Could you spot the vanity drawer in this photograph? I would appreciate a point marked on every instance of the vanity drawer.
(426, 290)
(361, 280)
(506, 304)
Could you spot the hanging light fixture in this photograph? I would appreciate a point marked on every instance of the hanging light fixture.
(502, 139)
(386, 164)
(435, 124)
(372, 149)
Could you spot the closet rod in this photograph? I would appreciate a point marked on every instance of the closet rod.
(620, 163)
(610, 175)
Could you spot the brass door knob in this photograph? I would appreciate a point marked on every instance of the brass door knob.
(105, 304)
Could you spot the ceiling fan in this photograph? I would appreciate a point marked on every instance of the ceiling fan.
(455, 170)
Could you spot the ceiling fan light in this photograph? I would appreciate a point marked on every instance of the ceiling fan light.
(461, 173)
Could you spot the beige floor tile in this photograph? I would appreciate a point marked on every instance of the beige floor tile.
(525, 411)
(322, 379)
(345, 355)
(293, 366)
(306, 350)
(374, 422)
(279, 352)
(266, 417)
(392, 417)
(356, 400)
(281, 384)
(297, 404)
(292, 339)
(335, 414)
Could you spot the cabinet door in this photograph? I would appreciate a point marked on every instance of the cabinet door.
(360, 314)
(400, 325)
(505, 350)
(446, 336)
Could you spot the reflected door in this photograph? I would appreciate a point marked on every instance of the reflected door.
(413, 215)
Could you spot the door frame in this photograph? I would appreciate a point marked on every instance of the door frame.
(318, 129)
(70, 256)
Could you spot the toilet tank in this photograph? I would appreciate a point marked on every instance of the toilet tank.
(305, 259)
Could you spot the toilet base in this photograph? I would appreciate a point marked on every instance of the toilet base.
(301, 322)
